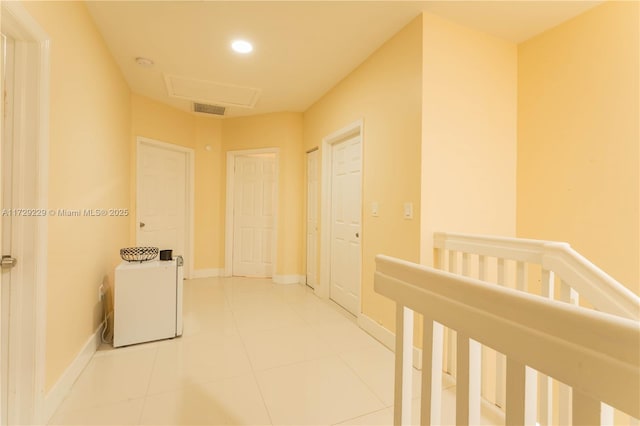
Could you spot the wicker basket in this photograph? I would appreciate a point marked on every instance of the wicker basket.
(138, 254)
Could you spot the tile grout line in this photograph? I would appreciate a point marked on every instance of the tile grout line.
(357, 417)
(363, 382)
(146, 392)
(253, 372)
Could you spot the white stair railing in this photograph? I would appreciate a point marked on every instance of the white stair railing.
(557, 272)
(594, 353)
(578, 273)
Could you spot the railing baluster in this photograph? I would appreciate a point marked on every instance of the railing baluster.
(482, 275)
(606, 415)
(500, 358)
(521, 394)
(468, 382)
(482, 268)
(568, 295)
(521, 276)
(439, 259)
(564, 404)
(501, 271)
(547, 284)
(403, 366)
(431, 398)
(545, 385)
(451, 335)
(585, 410)
(545, 405)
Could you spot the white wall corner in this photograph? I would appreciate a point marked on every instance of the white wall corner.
(386, 337)
(289, 279)
(61, 389)
(207, 273)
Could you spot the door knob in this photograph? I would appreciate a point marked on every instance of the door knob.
(142, 225)
(8, 262)
(357, 235)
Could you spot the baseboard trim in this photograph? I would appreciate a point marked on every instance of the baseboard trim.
(207, 273)
(288, 279)
(59, 391)
(386, 337)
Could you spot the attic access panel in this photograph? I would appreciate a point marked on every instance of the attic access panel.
(211, 92)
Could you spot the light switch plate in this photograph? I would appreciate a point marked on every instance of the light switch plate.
(408, 210)
(374, 209)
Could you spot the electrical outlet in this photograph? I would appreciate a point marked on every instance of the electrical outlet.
(100, 292)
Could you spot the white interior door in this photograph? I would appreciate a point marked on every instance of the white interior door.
(346, 217)
(312, 218)
(23, 222)
(162, 198)
(254, 214)
(6, 156)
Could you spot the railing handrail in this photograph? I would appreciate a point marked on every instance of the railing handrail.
(594, 352)
(603, 291)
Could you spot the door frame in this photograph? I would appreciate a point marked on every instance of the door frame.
(189, 179)
(228, 229)
(313, 151)
(351, 130)
(27, 332)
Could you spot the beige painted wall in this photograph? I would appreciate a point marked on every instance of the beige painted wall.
(385, 92)
(468, 132)
(579, 138)
(468, 138)
(209, 225)
(283, 131)
(163, 123)
(89, 169)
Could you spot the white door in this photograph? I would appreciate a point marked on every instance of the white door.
(346, 201)
(23, 222)
(254, 204)
(6, 56)
(312, 218)
(162, 198)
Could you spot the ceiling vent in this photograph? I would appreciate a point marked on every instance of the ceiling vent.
(208, 109)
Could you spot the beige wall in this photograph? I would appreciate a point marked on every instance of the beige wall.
(579, 138)
(163, 123)
(468, 132)
(89, 169)
(209, 225)
(385, 92)
(468, 138)
(283, 131)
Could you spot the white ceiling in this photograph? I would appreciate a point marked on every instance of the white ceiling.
(301, 48)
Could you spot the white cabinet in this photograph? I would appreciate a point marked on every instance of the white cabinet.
(147, 301)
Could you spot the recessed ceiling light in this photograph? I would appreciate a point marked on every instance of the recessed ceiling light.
(145, 62)
(242, 46)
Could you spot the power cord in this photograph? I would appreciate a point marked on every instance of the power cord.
(106, 329)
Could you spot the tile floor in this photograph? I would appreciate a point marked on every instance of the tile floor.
(252, 353)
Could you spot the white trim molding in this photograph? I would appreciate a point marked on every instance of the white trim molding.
(289, 279)
(61, 389)
(207, 273)
(190, 181)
